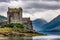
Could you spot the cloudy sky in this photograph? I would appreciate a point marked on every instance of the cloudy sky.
(45, 9)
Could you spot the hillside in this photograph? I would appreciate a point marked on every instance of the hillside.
(52, 24)
(38, 23)
(2, 18)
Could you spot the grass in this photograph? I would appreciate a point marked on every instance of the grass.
(14, 31)
(5, 29)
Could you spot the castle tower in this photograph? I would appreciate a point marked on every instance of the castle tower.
(14, 15)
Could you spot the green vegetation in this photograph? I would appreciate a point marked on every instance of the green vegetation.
(7, 31)
(18, 25)
(16, 29)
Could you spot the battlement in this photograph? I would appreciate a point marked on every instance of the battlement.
(25, 19)
(14, 9)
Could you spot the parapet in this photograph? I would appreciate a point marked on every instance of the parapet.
(14, 9)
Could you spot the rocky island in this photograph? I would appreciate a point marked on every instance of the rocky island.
(16, 25)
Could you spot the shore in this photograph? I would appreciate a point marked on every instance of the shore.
(20, 32)
(48, 37)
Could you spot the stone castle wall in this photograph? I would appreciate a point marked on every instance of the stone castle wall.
(15, 16)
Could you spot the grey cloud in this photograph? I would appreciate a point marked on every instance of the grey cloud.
(40, 6)
(30, 0)
(7, 0)
(4, 0)
(40, 0)
(44, 6)
(51, 0)
(13, 0)
(33, 10)
(3, 9)
(36, 5)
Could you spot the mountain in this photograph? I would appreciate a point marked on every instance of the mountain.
(38, 23)
(2, 18)
(56, 28)
(52, 32)
(52, 24)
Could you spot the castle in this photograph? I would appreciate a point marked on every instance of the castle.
(14, 15)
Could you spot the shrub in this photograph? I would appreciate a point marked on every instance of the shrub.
(18, 25)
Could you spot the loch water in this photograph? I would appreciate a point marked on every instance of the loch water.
(49, 37)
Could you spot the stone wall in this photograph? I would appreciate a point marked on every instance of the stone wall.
(27, 22)
(14, 15)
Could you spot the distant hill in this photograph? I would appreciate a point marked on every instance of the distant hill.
(52, 24)
(38, 23)
(2, 18)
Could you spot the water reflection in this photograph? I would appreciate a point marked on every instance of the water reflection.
(16, 38)
(46, 39)
(32, 38)
(56, 39)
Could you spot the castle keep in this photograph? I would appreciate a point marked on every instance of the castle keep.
(15, 16)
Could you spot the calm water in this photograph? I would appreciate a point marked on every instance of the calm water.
(32, 38)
